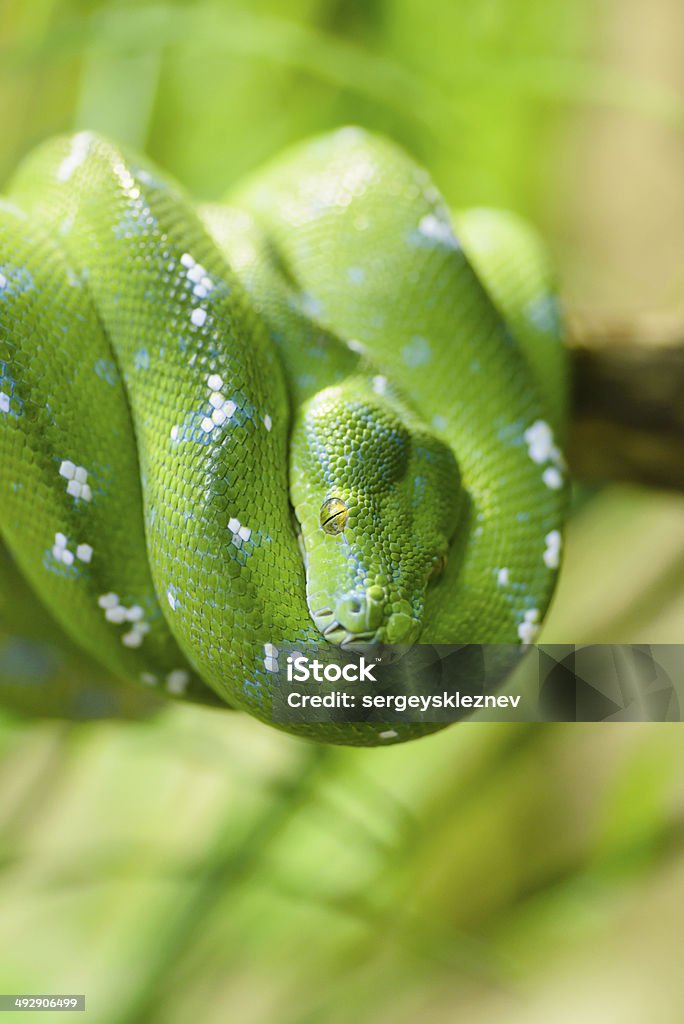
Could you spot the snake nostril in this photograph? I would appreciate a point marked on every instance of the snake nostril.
(350, 611)
(358, 613)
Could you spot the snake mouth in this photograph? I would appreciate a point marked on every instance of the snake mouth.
(340, 634)
(337, 634)
(353, 618)
(356, 622)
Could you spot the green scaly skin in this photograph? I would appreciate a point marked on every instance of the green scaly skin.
(176, 382)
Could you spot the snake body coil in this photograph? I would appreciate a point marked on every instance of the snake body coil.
(176, 381)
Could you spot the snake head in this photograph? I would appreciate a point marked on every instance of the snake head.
(377, 497)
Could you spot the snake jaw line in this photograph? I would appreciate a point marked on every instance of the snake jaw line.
(358, 641)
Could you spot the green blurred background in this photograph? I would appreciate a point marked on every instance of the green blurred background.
(195, 865)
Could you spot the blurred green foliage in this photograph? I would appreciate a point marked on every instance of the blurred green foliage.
(199, 866)
(212, 89)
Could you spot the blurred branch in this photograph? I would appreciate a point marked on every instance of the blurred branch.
(628, 399)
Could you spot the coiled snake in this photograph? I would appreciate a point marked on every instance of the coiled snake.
(304, 415)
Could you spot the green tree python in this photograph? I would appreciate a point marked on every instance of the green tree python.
(325, 411)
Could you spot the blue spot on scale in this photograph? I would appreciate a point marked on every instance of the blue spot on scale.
(106, 371)
(141, 359)
(544, 314)
(417, 352)
(16, 281)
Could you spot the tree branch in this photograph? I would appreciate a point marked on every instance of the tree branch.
(627, 419)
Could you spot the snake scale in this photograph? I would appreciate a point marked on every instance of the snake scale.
(324, 411)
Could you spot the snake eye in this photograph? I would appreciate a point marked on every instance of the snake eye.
(334, 515)
(438, 566)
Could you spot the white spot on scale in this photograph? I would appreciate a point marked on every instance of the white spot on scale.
(197, 275)
(528, 630)
(170, 597)
(439, 422)
(438, 230)
(215, 382)
(222, 409)
(356, 346)
(136, 635)
(84, 552)
(133, 638)
(117, 614)
(379, 384)
(553, 548)
(61, 552)
(77, 477)
(148, 678)
(239, 531)
(540, 444)
(268, 422)
(198, 316)
(542, 448)
(77, 490)
(270, 657)
(502, 577)
(388, 734)
(4, 402)
(177, 681)
(174, 432)
(552, 478)
(3, 282)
